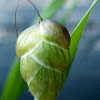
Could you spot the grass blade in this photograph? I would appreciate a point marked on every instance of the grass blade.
(76, 36)
(14, 79)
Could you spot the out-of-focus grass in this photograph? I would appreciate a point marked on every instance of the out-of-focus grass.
(69, 12)
(51, 10)
(15, 85)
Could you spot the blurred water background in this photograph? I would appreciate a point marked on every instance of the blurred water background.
(83, 82)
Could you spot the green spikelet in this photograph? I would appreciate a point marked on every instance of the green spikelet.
(44, 53)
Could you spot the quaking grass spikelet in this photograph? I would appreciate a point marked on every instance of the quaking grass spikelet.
(43, 50)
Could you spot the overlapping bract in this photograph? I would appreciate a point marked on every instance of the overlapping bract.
(44, 53)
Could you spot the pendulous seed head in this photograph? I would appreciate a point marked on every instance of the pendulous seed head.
(43, 50)
(44, 53)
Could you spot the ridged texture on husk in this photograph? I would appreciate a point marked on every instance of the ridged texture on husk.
(44, 53)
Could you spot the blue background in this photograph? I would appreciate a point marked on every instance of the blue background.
(83, 82)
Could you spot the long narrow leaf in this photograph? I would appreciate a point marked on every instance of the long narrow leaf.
(76, 35)
(12, 83)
